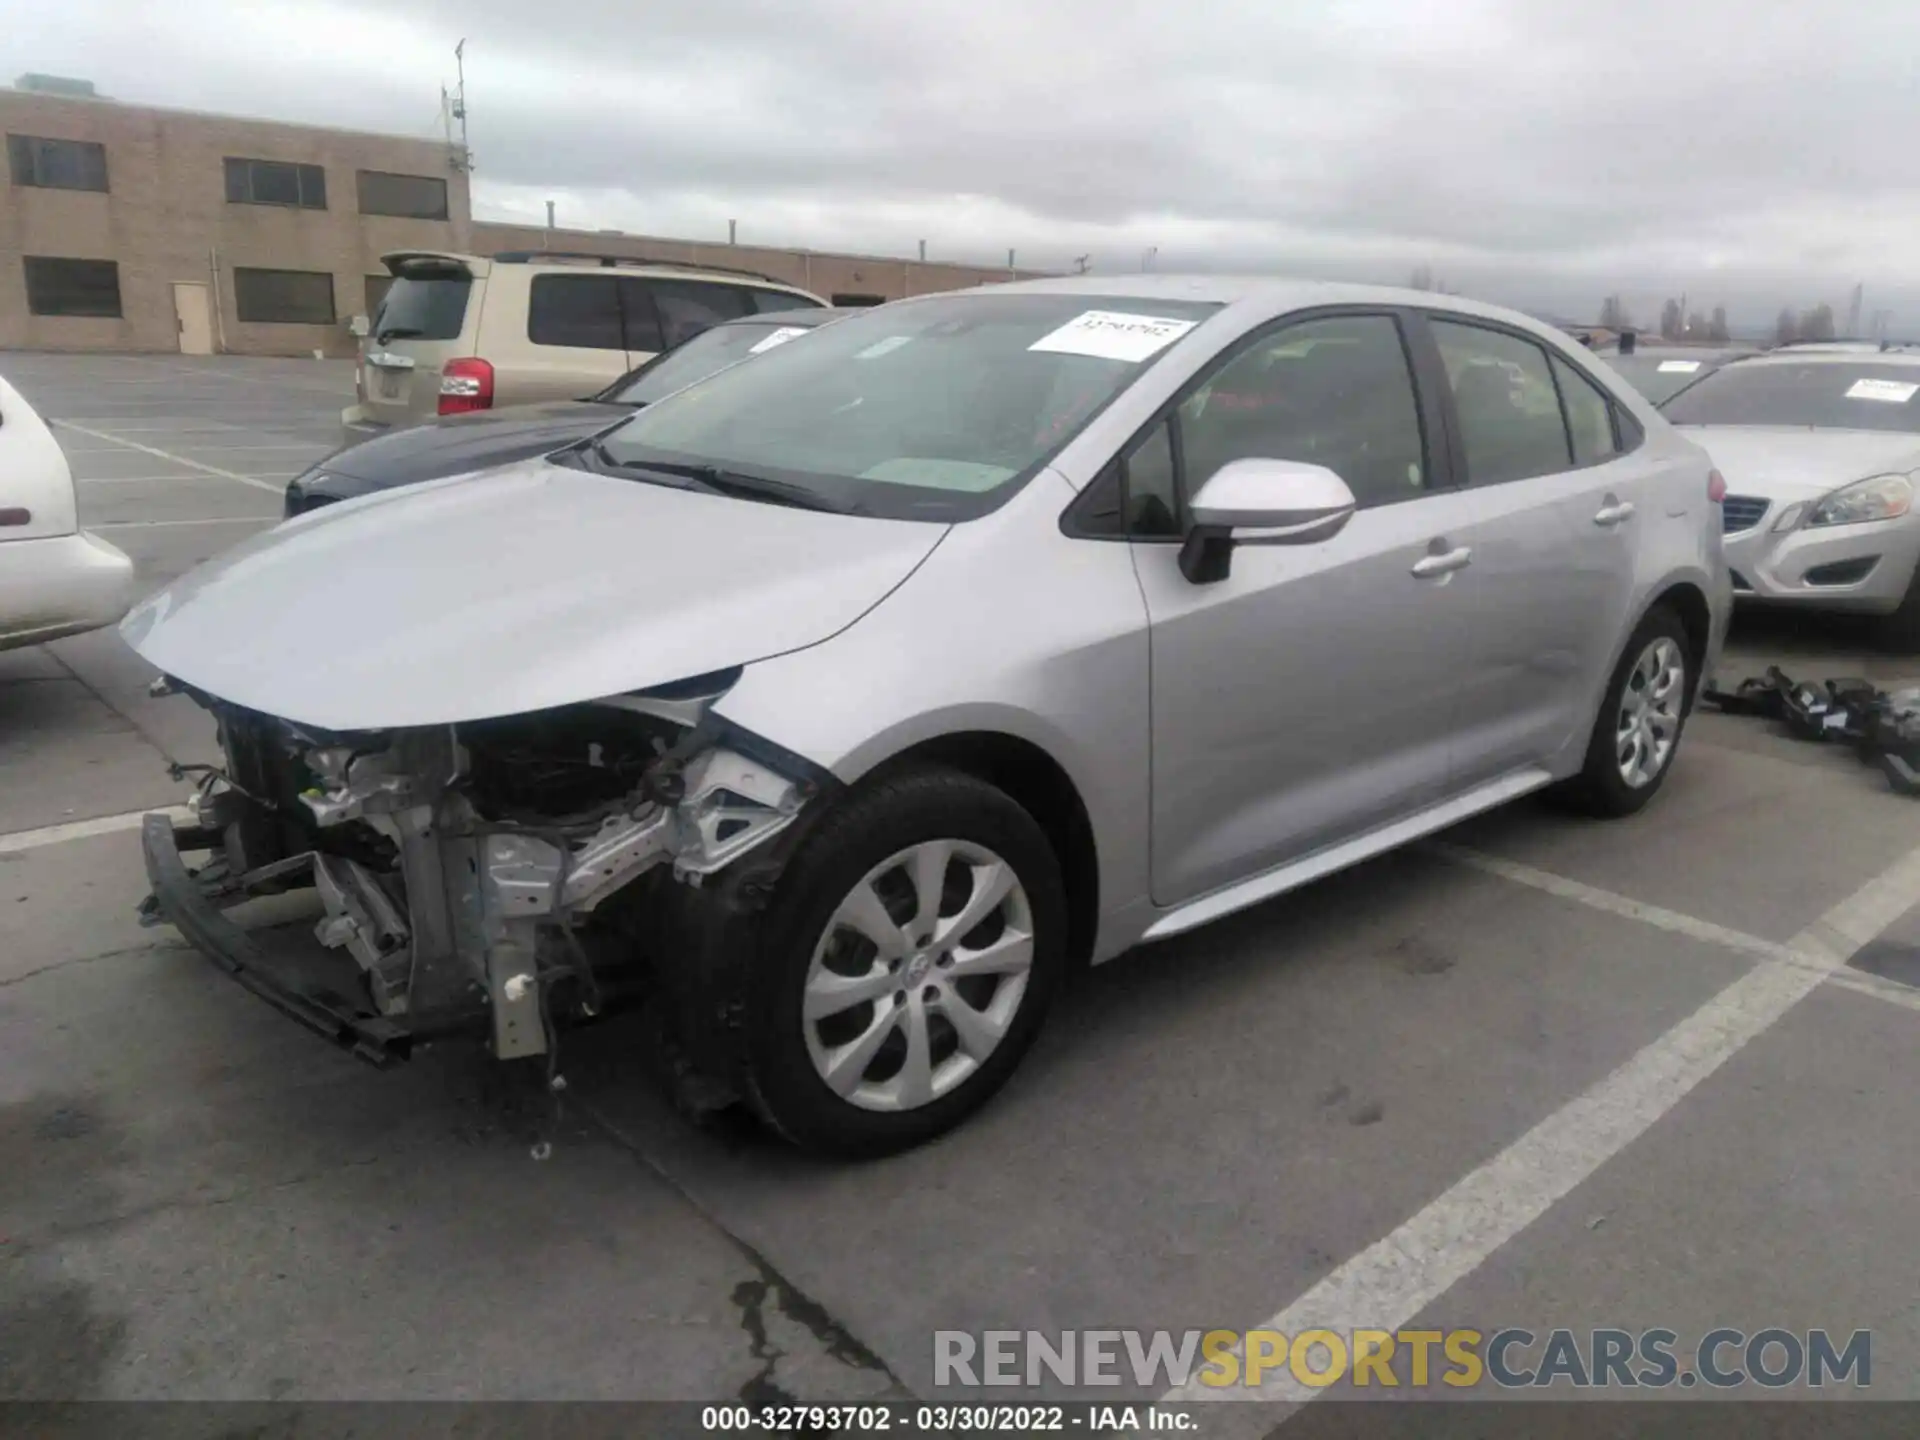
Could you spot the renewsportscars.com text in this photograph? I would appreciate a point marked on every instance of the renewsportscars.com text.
(1510, 1358)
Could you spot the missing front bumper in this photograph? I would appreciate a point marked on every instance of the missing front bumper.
(295, 983)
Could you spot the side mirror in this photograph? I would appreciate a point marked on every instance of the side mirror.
(1262, 502)
(359, 327)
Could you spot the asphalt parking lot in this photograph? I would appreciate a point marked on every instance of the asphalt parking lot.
(1545, 1073)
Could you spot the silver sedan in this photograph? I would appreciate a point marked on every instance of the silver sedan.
(843, 699)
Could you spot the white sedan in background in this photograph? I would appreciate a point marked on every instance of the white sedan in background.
(55, 578)
(1821, 453)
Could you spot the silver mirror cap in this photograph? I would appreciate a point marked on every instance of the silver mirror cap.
(1274, 502)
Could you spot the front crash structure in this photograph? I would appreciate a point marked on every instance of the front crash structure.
(501, 877)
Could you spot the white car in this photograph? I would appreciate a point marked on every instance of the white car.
(1820, 447)
(55, 578)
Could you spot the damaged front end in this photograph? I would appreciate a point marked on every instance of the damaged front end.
(503, 876)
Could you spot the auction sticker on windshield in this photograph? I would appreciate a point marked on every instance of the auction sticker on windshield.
(1113, 335)
(778, 337)
(1896, 392)
(1678, 367)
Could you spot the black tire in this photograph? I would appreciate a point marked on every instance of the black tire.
(1600, 789)
(1900, 631)
(874, 823)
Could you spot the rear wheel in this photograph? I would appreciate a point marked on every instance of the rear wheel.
(1637, 733)
(908, 962)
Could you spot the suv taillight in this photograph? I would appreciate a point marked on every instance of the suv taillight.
(1716, 486)
(466, 385)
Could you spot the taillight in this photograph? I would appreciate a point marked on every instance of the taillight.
(1716, 486)
(466, 385)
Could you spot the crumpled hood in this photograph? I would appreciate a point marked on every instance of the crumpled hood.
(1795, 463)
(533, 586)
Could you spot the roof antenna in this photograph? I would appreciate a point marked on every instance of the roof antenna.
(1627, 340)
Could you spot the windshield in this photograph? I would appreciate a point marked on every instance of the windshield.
(707, 353)
(1660, 377)
(1822, 395)
(430, 306)
(931, 409)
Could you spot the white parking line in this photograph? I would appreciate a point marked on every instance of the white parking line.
(23, 840)
(170, 524)
(168, 455)
(1393, 1280)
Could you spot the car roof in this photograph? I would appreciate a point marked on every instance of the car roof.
(1267, 293)
(479, 265)
(1702, 353)
(1908, 358)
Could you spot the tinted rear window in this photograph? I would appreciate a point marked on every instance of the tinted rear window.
(706, 354)
(1820, 395)
(423, 307)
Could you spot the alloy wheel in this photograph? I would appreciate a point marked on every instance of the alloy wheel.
(1651, 704)
(918, 975)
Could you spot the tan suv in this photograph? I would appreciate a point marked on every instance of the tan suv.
(455, 333)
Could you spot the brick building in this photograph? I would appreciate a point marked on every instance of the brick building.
(127, 227)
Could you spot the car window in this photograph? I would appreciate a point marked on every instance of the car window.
(1336, 392)
(688, 306)
(1510, 424)
(1153, 503)
(422, 305)
(1815, 394)
(765, 302)
(706, 354)
(931, 409)
(1589, 415)
(581, 311)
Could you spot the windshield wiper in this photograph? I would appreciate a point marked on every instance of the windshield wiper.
(733, 482)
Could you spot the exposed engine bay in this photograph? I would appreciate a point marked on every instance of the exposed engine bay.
(487, 869)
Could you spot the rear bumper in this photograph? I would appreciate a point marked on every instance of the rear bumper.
(319, 991)
(1865, 568)
(356, 424)
(60, 585)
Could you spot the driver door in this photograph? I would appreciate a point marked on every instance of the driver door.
(1309, 696)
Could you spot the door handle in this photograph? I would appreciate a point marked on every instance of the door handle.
(1611, 515)
(1445, 563)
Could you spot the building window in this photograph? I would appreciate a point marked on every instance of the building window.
(276, 182)
(412, 197)
(73, 287)
(57, 164)
(283, 297)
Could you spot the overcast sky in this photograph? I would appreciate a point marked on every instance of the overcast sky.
(1539, 152)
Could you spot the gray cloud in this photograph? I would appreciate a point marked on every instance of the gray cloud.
(1540, 153)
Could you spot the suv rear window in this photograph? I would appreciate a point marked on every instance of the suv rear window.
(429, 306)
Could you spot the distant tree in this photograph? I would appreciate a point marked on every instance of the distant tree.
(1786, 329)
(1717, 326)
(1422, 278)
(1817, 323)
(1696, 326)
(1613, 314)
(1671, 320)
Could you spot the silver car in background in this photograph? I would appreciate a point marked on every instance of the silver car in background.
(1821, 450)
(846, 698)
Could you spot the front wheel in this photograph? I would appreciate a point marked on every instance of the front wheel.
(909, 958)
(1637, 732)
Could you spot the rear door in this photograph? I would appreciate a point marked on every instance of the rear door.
(1557, 512)
(429, 315)
(583, 330)
(689, 307)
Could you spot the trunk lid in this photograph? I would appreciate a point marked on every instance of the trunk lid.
(429, 315)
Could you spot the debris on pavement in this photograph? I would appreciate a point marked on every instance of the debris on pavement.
(1882, 726)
